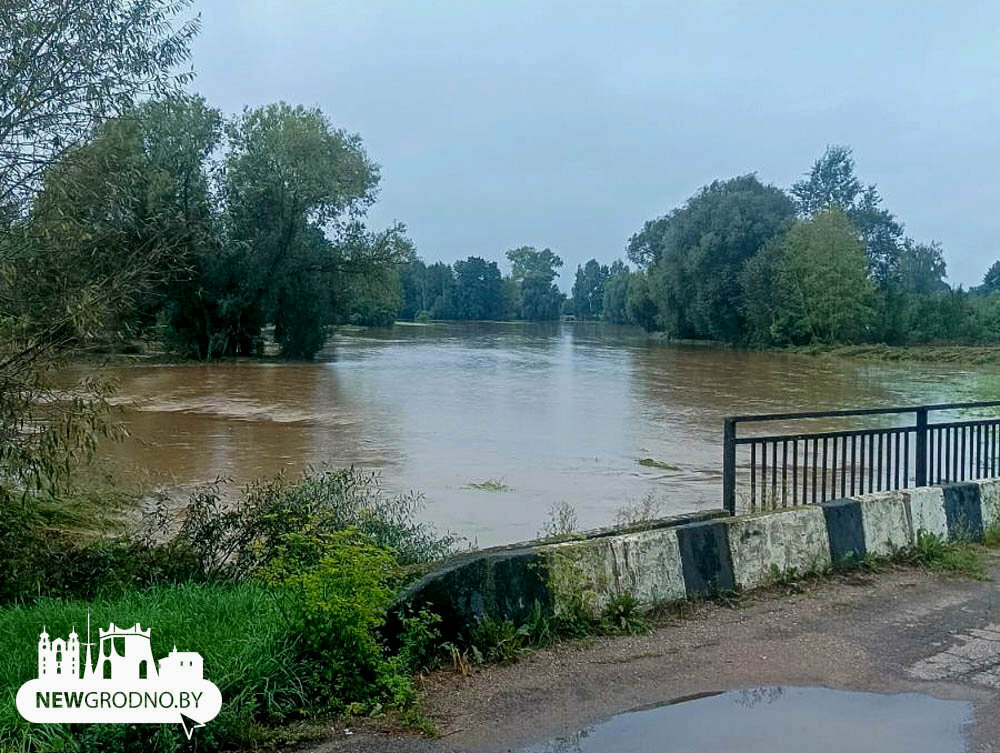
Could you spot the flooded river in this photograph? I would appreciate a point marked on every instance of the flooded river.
(557, 412)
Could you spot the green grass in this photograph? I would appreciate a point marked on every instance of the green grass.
(991, 536)
(650, 463)
(936, 553)
(235, 628)
(490, 485)
(963, 354)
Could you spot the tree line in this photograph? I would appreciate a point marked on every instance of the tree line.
(742, 262)
(822, 263)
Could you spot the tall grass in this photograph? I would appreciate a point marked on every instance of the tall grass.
(247, 651)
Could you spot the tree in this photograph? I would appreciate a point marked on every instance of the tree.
(64, 68)
(413, 285)
(696, 254)
(588, 290)
(365, 282)
(478, 293)
(290, 182)
(991, 280)
(67, 66)
(441, 290)
(615, 306)
(811, 285)
(832, 183)
(641, 308)
(534, 271)
(922, 268)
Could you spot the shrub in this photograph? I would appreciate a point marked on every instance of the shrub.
(333, 590)
(231, 541)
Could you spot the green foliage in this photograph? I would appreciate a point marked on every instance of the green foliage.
(217, 542)
(991, 280)
(419, 641)
(497, 641)
(534, 272)
(333, 590)
(832, 183)
(936, 553)
(622, 616)
(588, 290)
(237, 629)
(810, 286)
(695, 254)
(64, 67)
(921, 268)
(477, 294)
(642, 309)
(230, 541)
(615, 306)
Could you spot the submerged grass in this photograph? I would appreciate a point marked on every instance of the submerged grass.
(651, 463)
(490, 485)
(966, 354)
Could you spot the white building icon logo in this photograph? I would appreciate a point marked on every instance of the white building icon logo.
(121, 685)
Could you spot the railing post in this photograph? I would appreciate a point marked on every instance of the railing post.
(729, 466)
(921, 446)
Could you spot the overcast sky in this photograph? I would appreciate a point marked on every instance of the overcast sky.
(567, 124)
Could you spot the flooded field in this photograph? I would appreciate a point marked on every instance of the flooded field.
(496, 422)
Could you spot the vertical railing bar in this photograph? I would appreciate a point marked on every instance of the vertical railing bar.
(774, 476)
(823, 496)
(881, 463)
(815, 455)
(956, 434)
(993, 451)
(978, 431)
(843, 467)
(854, 461)
(784, 473)
(871, 462)
(795, 471)
(895, 464)
(962, 459)
(938, 441)
(906, 459)
(753, 474)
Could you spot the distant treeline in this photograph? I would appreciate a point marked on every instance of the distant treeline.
(747, 263)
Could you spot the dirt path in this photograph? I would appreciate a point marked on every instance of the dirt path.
(902, 631)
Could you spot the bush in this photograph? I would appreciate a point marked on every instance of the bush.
(333, 590)
(230, 541)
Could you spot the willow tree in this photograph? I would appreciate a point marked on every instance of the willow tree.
(65, 67)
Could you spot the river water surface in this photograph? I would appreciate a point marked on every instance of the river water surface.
(558, 412)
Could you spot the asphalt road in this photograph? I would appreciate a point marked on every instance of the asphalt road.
(899, 631)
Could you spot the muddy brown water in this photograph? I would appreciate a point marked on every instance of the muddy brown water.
(774, 719)
(557, 412)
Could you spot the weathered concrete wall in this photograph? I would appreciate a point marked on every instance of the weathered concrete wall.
(926, 506)
(989, 492)
(696, 555)
(777, 543)
(645, 564)
(885, 521)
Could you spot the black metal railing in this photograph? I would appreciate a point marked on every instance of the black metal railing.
(767, 471)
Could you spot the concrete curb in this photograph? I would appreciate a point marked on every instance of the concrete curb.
(683, 557)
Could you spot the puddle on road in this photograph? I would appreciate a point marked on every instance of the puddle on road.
(777, 719)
